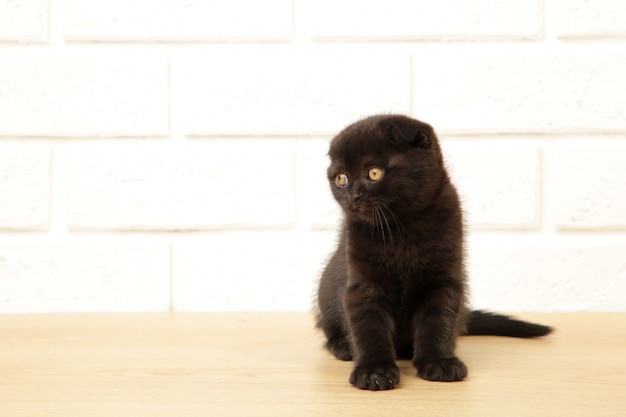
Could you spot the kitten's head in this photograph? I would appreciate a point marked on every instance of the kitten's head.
(385, 165)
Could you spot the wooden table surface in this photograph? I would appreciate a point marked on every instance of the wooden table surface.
(272, 364)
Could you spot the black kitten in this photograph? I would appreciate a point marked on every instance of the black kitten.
(395, 286)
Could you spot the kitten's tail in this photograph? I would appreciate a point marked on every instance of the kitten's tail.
(486, 323)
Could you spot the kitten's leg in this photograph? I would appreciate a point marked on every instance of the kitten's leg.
(372, 335)
(337, 341)
(435, 336)
(331, 319)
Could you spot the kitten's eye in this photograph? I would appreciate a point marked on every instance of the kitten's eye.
(375, 174)
(341, 180)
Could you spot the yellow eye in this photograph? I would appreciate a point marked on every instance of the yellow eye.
(341, 180)
(375, 174)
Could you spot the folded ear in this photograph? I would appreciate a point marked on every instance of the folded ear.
(418, 135)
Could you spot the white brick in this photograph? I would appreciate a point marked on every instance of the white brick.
(317, 209)
(162, 187)
(24, 20)
(410, 19)
(72, 95)
(597, 18)
(86, 276)
(253, 271)
(589, 185)
(127, 20)
(562, 274)
(242, 92)
(486, 90)
(24, 187)
(498, 183)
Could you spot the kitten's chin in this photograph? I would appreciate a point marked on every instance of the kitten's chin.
(360, 213)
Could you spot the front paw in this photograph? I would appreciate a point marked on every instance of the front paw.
(375, 376)
(443, 369)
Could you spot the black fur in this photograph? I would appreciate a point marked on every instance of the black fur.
(395, 286)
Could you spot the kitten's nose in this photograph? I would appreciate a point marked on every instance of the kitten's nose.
(354, 198)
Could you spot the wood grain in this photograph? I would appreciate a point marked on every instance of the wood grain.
(272, 364)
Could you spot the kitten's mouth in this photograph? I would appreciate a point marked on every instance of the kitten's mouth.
(361, 211)
(359, 208)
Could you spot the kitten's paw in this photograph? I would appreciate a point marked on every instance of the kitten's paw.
(340, 347)
(445, 369)
(375, 376)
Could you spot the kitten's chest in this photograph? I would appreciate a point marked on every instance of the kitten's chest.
(401, 256)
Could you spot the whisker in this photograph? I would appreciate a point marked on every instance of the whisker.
(395, 218)
(379, 225)
(382, 213)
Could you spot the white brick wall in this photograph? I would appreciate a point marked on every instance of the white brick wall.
(561, 273)
(167, 20)
(499, 182)
(421, 20)
(84, 276)
(231, 271)
(283, 92)
(62, 94)
(539, 90)
(24, 20)
(588, 181)
(170, 155)
(25, 179)
(589, 19)
(158, 186)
